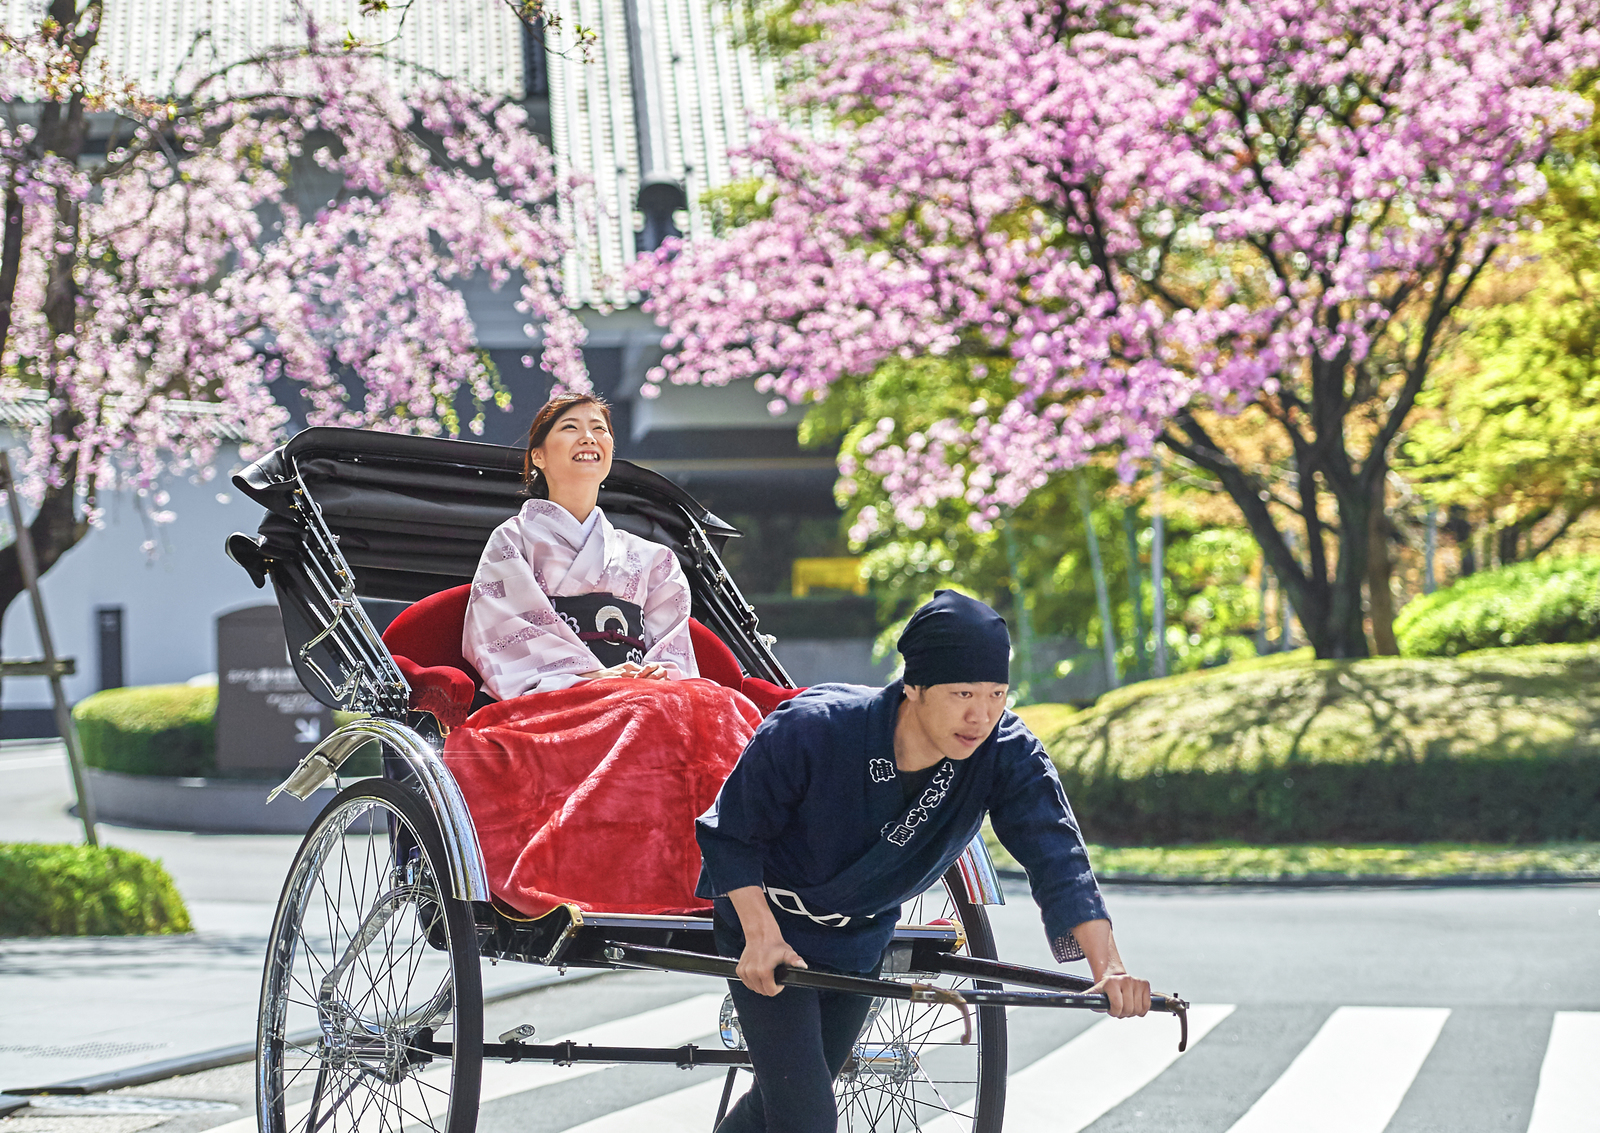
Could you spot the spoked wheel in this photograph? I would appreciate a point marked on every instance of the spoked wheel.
(910, 1070)
(371, 963)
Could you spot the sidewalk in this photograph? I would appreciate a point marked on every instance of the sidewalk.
(77, 1007)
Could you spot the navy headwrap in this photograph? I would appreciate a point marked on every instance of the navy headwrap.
(954, 640)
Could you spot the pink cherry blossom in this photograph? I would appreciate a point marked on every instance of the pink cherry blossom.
(293, 220)
(1144, 208)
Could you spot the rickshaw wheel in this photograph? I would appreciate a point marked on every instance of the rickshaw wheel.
(370, 962)
(910, 1070)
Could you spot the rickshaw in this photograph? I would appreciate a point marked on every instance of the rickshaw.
(371, 1013)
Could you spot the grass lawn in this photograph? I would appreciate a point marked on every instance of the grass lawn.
(1500, 746)
(1224, 861)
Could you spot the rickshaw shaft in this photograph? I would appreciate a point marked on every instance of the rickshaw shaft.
(567, 1053)
(674, 960)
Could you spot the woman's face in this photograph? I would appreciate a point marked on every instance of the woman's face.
(577, 451)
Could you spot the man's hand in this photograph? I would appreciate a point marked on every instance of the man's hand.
(764, 946)
(760, 958)
(650, 672)
(1126, 996)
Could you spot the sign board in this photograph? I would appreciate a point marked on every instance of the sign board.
(265, 721)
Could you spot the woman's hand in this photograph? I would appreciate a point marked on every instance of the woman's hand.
(650, 672)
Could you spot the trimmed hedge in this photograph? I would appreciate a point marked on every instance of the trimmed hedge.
(1497, 746)
(152, 730)
(51, 890)
(1534, 603)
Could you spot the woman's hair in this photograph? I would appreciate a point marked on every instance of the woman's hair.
(545, 420)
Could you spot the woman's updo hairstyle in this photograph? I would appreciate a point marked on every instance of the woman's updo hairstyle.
(545, 420)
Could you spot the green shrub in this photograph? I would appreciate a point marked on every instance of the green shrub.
(1497, 746)
(153, 730)
(1535, 603)
(85, 891)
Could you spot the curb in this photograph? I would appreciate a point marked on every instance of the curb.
(1336, 881)
(15, 1099)
(201, 805)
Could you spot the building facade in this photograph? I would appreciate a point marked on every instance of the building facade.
(650, 120)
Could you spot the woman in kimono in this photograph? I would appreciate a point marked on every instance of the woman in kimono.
(585, 778)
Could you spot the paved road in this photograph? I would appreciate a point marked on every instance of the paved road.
(1464, 1010)
(70, 1008)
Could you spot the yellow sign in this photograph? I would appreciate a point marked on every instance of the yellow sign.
(828, 574)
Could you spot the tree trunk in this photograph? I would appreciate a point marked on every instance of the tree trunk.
(1328, 605)
(63, 131)
(1508, 544)
(1459, 528)
(1380, 568)
(10, 258)
(56, 529)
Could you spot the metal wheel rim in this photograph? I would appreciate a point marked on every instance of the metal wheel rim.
(341, 1020)
(909, 1070)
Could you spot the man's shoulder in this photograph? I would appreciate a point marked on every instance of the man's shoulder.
(826, 701)
(822, 707)
(1014, 741)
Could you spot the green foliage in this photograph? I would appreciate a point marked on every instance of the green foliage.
(1233, 861)
(1542, 602)
(59, 890)
(1511, 427)
(153, 730)
(737, 204)
(1036, 557)
(1497, 746)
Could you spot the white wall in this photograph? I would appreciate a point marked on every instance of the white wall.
(170, 597)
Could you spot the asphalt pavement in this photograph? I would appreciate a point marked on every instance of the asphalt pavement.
(73, 1008)
(1460, 1009)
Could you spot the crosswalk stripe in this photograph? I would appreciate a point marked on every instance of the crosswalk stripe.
(1352, 1075)
(1062, 1092)
(1565, 1102)
(672, 1025)
(1076, 1083)
(689, 1110)
(668, 1026)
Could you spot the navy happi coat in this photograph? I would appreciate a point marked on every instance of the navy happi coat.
(815, 808)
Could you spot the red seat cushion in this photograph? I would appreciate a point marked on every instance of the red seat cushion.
(426, 643)
(429, 632)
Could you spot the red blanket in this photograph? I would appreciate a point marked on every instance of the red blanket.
(588, 795)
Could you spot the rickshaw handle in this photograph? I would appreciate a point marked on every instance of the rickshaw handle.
(676, 960)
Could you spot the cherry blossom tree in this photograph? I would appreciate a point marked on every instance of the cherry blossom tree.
(1128, 221)
(156, 293)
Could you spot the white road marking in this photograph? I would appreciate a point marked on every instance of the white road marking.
(672, 1025)
(1352, 1075)
(32, 762)
(1073, 1085)
(1062, 1092)
(1565, 1102)
(682, 1111)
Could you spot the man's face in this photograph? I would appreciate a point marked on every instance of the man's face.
(955, 718)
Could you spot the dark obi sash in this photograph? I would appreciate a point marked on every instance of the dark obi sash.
(611, 627)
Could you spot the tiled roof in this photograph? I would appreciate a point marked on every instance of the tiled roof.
(154, 42)
(28, 408)
(664, 101)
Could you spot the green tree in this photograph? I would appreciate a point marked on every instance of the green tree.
(1511, 434)
(1032, 563)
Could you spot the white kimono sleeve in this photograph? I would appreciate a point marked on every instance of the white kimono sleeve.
(512, 634)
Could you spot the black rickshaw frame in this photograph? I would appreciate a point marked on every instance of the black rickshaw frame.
(341, 507)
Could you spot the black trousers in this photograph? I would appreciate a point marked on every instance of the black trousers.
(798, 1041)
